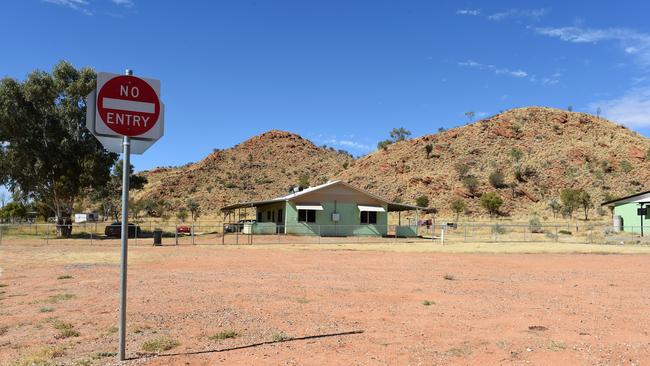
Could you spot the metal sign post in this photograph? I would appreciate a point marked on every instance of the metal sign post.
(126, 115)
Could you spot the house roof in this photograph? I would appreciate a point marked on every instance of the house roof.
(631, 198)
(392, 206)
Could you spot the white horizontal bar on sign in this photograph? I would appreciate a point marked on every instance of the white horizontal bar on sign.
(129, 105)
(310, 207)
(371, 208)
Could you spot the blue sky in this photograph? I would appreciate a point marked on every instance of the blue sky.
(342, 73)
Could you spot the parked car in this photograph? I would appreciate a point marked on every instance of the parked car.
(114, 230)
(183, 229)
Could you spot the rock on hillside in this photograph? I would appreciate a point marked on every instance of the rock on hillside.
(558, 149)
(262, 167)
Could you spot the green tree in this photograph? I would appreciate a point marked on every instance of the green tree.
(383, 145)
(470, 116)
(194, 208)
(584, 200)
(461, 170)
(491, 202)
(399, 134)
(555, 206)
(570, 200)
(181, 215)
(422, 201)
(458, 206)
(13, 211)
(471, 183)
(110, 194)
(497, 179)
(46, 152)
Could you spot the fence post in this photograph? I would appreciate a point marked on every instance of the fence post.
(192, 232)
(176, 234)
(442, 235)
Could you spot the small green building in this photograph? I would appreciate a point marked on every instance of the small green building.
(332, 209)
(626, 213)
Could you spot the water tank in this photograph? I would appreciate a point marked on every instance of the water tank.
(618, 223)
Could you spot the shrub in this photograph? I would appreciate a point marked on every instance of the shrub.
(427, 302)
(461, 170)
(164, 343)
(496, 179)
(422, 201)
(535, 225)
(66, 330)
(565, 232)
(223, 335)
(280, 337)
(626, 167)
(64, 277)
(498, 229)
(428, 148)
(491, 202)
(458, 206)
(471, 183)
(449, 277)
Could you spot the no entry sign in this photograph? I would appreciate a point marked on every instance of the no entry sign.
(128, 105)
(125, 105)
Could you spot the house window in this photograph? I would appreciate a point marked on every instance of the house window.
(259, 217)
(306, 215)
(368, 217)
(268, 216)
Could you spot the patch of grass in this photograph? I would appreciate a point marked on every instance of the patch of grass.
(66, 330)
(556, 345)
(449, 277)
(280, 337)
(46, 309)
(41, 357)
(83, 362)
(428, 302)
(565, 232)
(60, 297)
(164, 343)
(3, 330)
(112, 329)
(64, 277)
(461, 351)
(503, 344)
(223, 335)
(137, 329)
(3, 285)
(100, 355)
(302, 300)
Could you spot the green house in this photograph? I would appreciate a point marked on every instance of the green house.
(332, 209)
(627, 212)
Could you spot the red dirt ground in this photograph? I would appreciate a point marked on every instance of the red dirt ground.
(590, 309)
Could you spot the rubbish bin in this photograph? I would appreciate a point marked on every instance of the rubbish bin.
(157, 237)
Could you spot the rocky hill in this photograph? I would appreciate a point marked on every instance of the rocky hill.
(264, 166)
(540, 150)
(531, 153)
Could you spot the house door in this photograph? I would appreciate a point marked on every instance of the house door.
(280, 222)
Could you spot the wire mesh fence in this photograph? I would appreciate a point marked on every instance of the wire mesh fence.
(216, 233)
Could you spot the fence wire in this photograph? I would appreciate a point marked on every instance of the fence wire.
(212, 233)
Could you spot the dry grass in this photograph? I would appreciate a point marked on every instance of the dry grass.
(160, 344)
(42, 357)
(223, 335)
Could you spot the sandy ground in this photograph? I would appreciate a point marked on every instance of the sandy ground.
(368, 307)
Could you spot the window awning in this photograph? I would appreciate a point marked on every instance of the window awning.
(371, 208)
(316, 207)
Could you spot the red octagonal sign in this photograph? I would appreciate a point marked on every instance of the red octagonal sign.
(128, 105)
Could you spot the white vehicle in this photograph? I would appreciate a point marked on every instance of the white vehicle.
(85, 217)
